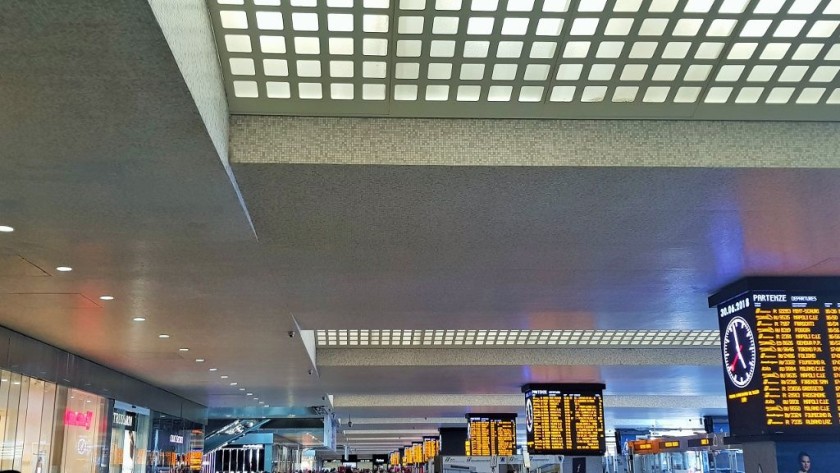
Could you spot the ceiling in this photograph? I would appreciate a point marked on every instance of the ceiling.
(701, 59)
(108, 167)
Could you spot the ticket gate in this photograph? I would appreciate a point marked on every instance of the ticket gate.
(697, 454)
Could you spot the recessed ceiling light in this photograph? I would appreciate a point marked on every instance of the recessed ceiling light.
(241, 389)
(106, 298)
(249, 394)
(163, 335)
(262, 402)
(184, 349)
(213, 369)
(234, 384)
(64, 269)
(139, 319)
(199, 360)
(224, 376)
(6, 229)
(256, 399)
(266, 405)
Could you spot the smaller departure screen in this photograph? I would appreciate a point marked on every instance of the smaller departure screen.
(492, 434)
(415, 453)
(695, 443)
(669, 444)
(431, 447)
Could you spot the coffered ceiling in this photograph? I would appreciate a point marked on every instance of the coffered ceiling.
(667, 59)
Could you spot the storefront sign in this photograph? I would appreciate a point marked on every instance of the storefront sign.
(253, 446)
(176, 439)
(78, 419)
(124, 419)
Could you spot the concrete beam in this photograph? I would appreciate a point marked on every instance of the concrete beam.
(516, 401)
(458, 142)
(518, 356)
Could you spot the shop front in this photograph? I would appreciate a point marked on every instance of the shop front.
(175, 445)
(130, 427)
(57, 414)
(47, 428)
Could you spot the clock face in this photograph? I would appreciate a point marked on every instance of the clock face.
(739, 352)
(529, 415)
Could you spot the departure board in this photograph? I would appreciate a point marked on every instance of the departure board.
(491, 434)
(416, 453)
(394, 459)
(781, 357)
(431, 447)
(565, 419)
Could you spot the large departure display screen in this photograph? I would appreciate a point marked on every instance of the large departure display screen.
(565, 419)
(492, 434)
(781, 358)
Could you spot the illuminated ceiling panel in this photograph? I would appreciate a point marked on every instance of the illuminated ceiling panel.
(508, 338)
(762, 59)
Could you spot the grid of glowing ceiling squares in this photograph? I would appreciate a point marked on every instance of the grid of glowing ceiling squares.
(715, 51)
(660, 338)
(622, 50)
(634, 51)
(306, 49)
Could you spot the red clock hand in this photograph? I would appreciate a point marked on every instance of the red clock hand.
(735, 360)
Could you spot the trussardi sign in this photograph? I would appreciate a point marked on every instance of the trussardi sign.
(124, 419)
(176, 439)
(78, 419)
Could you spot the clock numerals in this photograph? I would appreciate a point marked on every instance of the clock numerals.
(739, 352)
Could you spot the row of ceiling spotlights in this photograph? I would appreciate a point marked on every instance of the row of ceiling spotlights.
(106, 297)
(63, 269)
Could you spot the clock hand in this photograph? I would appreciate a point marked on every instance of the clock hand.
(737, 357)
(740, 347)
